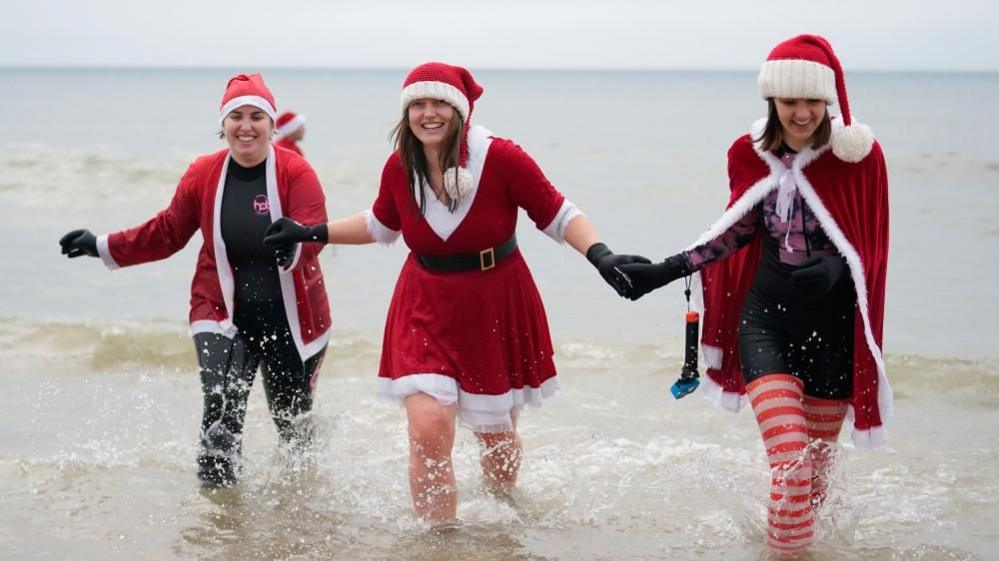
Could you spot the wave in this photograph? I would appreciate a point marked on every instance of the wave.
(114, 345)
(40, 176)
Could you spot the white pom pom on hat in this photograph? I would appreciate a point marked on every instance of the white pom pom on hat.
(806, 67)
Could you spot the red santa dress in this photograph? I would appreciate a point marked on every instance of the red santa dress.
(479, 338)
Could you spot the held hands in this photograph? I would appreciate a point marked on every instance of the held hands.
(646, 277)
(610, 266)
(817, 275)
(285, 234)
(79, 242)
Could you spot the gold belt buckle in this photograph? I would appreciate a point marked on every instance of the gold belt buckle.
(487, 256)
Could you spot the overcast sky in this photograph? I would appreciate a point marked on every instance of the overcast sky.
(958, 35)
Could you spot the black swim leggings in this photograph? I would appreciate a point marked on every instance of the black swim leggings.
(228, 367)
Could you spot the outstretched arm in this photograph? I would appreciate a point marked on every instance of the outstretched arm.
(581, 234)
(286, 232)
(350, 231)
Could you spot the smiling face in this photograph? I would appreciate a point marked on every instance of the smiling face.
(799, 118)
(248, 131)
(430, 120)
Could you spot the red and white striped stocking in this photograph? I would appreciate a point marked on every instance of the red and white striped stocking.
(777, 401)
(824, 418)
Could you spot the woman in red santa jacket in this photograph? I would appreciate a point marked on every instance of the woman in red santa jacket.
(793, 277)
(466, 334)
(251, 305)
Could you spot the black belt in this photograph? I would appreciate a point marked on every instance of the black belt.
(483, 260)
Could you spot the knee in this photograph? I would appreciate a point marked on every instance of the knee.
(431, 431)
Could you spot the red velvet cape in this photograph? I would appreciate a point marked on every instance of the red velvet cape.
(851, 203)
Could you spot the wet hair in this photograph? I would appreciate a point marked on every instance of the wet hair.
(773, 133)
(414, 161)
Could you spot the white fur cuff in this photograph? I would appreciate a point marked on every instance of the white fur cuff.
(380, 232)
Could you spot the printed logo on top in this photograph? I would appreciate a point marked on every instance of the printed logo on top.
(261, 206)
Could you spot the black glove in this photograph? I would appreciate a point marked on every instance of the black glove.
(285, 231)
(284, 254)
(79, 242)
(817, 275)
(610, 265)
(647, 277)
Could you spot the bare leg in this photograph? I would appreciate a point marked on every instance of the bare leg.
(500, 456)
(431, 473)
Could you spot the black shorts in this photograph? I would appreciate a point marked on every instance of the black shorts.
(813, 343)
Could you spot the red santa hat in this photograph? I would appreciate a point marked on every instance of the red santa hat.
(244, 89)
(805, 67)
(289, 122)
(455, 85)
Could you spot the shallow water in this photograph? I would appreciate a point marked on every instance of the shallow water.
(102, 404)
(99, 459)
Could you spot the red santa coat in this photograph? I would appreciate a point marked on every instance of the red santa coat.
(293, 190)
(850, 201)
(478, 338)
(288, 144)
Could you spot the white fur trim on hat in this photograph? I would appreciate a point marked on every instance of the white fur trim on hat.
(851, 143)
(254, 100)
(436, 90)
(797, 79)
(458, 182)
(291, 126)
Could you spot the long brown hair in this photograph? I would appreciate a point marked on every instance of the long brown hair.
(410, 151)
(773, 132)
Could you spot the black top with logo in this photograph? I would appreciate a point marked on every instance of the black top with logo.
(245, 216)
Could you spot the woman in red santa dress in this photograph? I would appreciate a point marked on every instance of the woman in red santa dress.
(793, 277)
(466, 334)
(251, 305)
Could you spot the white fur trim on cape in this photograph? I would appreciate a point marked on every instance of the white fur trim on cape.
(480, 412)
(870, 439)
(712, 356)
(380, 232)
(440, 218)
(749, 200)
(730, 401)
(566, 213)
(105, 252)
(254, 100)
(797, 78)
(436, 90)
